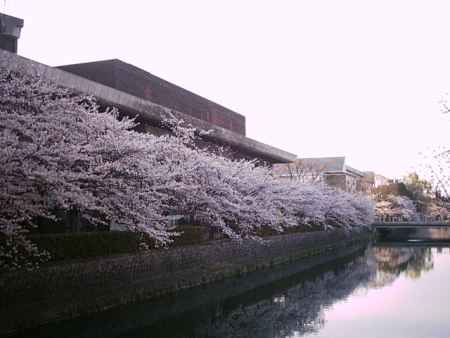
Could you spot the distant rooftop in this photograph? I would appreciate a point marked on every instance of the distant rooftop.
(322, 164)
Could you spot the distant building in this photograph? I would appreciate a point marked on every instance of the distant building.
(381, 180)
(374, 180)
(368, 181)
(331, 170)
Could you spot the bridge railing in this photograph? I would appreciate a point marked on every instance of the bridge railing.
(386, 219)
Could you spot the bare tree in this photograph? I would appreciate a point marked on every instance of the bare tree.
(306, 171)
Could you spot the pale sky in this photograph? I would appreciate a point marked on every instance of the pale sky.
(358, 78)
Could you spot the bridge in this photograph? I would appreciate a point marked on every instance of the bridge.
(425, 243)
(388, 222)
(420, 232)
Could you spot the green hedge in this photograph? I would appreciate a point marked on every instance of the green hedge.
(191, 234)
(80, 245)
(87, 244)
(266, 232)
(76, 245)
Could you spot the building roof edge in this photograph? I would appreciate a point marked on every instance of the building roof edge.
(147, 110)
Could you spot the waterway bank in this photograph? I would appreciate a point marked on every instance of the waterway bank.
(66, 291)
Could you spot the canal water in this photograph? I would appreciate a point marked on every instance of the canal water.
(399, 287)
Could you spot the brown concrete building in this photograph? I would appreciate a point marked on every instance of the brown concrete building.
(331, 170)
(136, 92)
(135, 81)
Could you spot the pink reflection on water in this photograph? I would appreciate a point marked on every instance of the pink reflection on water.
(365, 303)
(408, 305)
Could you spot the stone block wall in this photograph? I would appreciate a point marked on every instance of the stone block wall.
(68, 290)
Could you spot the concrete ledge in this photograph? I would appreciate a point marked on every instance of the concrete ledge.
(70, 290)
(133, 105)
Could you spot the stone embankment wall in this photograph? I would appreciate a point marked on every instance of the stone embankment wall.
(71, 289)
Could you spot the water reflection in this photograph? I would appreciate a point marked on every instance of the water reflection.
(411, 261)
(381, 291)
(300, 310)
(294, 305)
(296, 310)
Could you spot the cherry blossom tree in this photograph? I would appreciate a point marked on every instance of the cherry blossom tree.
(397, 207)
(438, 169)
(437, 163)
(61, 151)
(240, 196)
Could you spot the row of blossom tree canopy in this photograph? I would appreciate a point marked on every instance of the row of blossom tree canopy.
(61, 151)
(413, 198)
